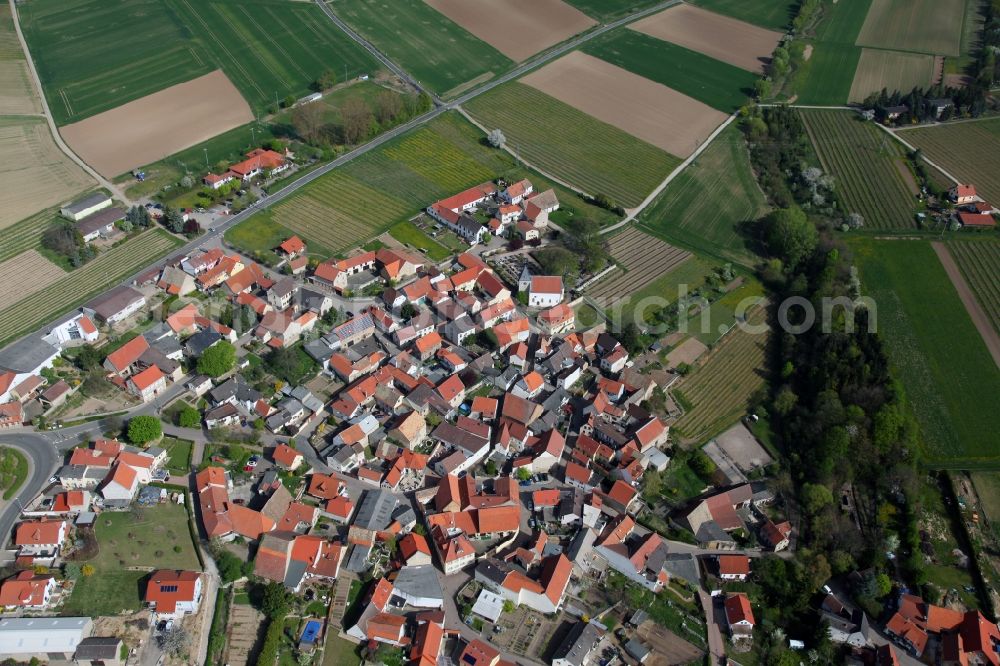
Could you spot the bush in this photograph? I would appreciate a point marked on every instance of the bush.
(217, 360)
(188, 417)
(144, 429)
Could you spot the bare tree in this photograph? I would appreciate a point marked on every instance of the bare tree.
(307, 119)
(357, 120)
(388, 106)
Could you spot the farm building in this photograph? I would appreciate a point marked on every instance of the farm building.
(101, 223)
(117, 304)
(81, 208)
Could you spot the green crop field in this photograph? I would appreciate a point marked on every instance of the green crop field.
(772, 14)
(969, 151)
(923, 26)
(428, 45)
(979, 262)
(718, 390)
(868, 166)
(950, 379)
(707, 80)
(705, 205)
(365, 197)
(572, 146)
(107, 269)
(94, 55)
(826, 78)
(607, 10)
(892, 70)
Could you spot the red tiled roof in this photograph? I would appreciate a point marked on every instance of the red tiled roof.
(976, 220)
(546, 497)
(546, 284)
(734, 565)
(413, 543)
(147, 377)
(293, 245)
(128, 353)
(577, 473)
(324, 486)
(24, 589)
(165, 588)
(285, 455)
(478, 653)
(738, 609)
(340, 507)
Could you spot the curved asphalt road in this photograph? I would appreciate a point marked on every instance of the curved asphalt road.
(44, 458)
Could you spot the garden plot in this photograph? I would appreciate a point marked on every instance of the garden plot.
(644, 258)
(721, 37)
(645, 109)
(529, 26)
(158, 125)
(24, 275)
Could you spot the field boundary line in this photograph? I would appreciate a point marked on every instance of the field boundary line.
(520, 159)
(37, 84)
(658, 190)
(965, 294)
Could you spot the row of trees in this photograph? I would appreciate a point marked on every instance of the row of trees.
(966, 101)
(359, 120)
(839, 414)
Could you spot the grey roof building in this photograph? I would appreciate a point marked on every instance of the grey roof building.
(202, 340)
(375, 510)
(27, 355)
(103, 649)
(578, 644)
(115, 301)
(45, 637)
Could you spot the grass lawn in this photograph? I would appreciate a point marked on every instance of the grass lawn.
(586, 316)
(573, 146)
(706, 205)
(123, 542)
(717, 84)
(827, 76)
(93, 55)
(408, 234)
(949, 377)
(428, 45)
(258, 236)
(773, 14)
(13, 471)
(179, 454)
(340, 652)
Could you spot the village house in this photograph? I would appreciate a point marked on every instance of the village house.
(116, 305)
(173, 594)
(546, 291)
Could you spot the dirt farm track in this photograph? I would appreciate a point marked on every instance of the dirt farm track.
(158, 125)
(529, 26)
(645, 109)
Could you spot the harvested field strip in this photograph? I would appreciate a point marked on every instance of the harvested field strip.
(17, 95)
(35, 173)
(718, 390)
(654, 113)
(26, 234)
(979, 262)
(557, 138)
(76, 287)
(864, 162)
(926, 26)
(529, 26)
(720, 37)
(644, 258)
(10, 48)
(718, 84)
(25, 274)
(705, 206)
(970, 151)
(892, 70)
